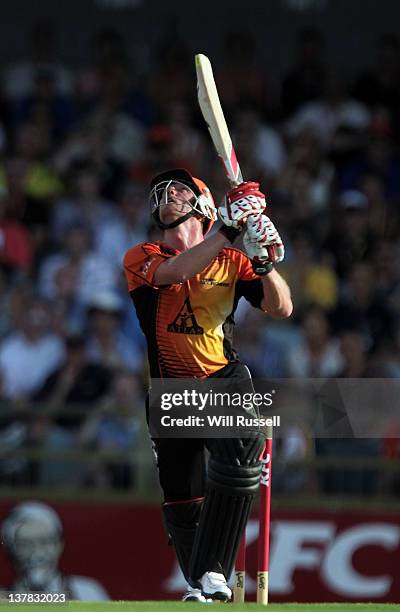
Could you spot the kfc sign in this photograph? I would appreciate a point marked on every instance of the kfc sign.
(121, 549)
(316, 546)
(316, 560)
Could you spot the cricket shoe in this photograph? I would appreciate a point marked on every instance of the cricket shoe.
(193, 594)
(213, 585)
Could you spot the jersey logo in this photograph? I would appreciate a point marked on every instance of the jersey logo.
(213, 282)
(185, 321)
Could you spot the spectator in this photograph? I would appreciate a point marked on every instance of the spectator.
(289, 450)
(107, 344)
(386, 266)
(68, 310)
(260, 148)
(354, 350)
(310, 278)
(113, 430)
(85, 206)
(306, 154)
(76, 383)
(124, 135)
(28, 356)
(361, 308)
(32, 182)
(89, 271)
(350, 240)
(116, 236)
(379, 209)
(355, 354)
(302, 199)
(379, 156)
(16, 245)
(14, 435)
(264, 356)
(359, 360)
(318, 355)
(69, 393)
(87, 145)
(335, 111)
(17, 299)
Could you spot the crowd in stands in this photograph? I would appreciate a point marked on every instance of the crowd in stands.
(78, 148)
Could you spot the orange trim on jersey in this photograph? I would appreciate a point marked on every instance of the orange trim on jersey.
(141, 262)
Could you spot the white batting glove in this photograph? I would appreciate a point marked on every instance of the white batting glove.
(262, 240)
(240, 202)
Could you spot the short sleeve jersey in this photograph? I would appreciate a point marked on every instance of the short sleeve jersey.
(189, 326)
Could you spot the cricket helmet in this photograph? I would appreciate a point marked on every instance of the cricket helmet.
(201, 204)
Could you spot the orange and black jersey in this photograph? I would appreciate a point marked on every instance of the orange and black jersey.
(189, 326)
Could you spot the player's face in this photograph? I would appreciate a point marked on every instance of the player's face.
(174, 201)
(177, 202)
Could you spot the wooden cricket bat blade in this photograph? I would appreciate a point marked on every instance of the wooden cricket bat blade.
(211, 109)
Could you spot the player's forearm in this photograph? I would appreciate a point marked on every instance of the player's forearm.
(189, 263)
(277, 301)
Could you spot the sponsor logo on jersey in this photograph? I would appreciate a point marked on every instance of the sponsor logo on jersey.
(212, 281)
(185, 321)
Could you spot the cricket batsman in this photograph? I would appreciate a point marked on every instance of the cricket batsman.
(185, 289)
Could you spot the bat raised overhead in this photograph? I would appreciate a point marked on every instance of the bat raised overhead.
(214, 117)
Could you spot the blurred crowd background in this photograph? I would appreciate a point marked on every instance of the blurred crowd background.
(79, 145)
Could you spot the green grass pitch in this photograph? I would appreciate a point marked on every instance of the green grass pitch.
(169, 606)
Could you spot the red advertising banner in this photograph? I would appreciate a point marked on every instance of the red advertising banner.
(122, 551)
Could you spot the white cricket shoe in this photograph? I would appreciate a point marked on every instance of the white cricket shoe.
(214, 585)
(193, 594)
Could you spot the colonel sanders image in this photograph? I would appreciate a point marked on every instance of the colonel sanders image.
(33, 537)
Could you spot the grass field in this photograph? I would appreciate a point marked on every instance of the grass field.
(158, 606)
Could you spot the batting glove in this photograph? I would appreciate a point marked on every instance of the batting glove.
(263, 243)
(240, 202)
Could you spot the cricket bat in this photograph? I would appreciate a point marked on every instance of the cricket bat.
(214, 117)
